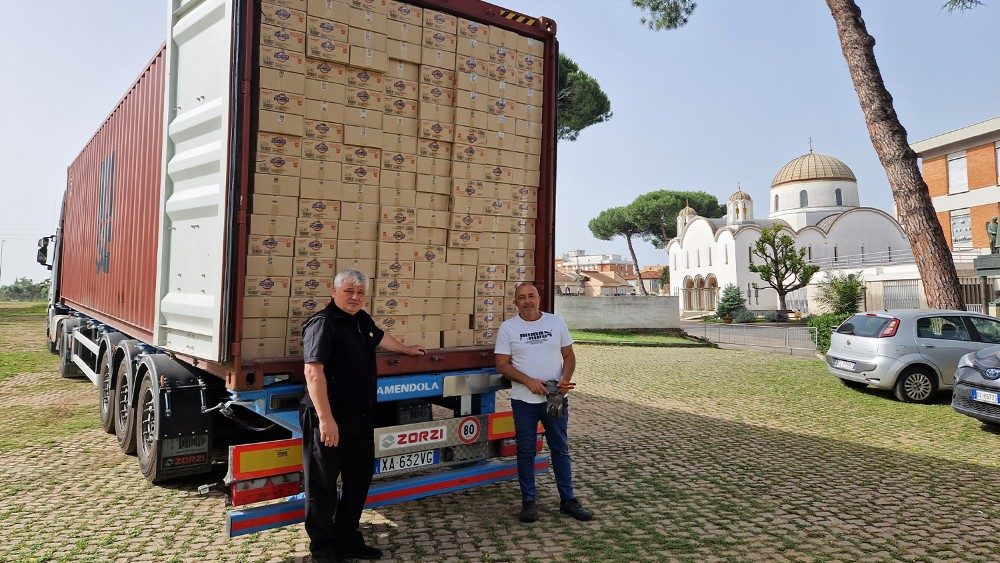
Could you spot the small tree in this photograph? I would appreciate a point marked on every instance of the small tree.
(730, 302)
(615, 222)
(783, 266)
(841, 293)
(665, 278)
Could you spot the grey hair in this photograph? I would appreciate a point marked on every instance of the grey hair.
(357, 277)
(522, 284)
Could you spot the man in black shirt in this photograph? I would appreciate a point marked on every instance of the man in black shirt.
(338, 347)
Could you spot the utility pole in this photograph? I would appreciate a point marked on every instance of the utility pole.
(2, 243)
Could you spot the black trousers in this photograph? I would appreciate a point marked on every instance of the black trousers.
(330, 523)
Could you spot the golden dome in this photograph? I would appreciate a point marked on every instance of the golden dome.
(687, 211)
(813, 166)
(740, 195)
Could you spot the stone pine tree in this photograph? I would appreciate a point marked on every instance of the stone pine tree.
(655, 213)
(781, 265)
(580, 102)
(909, 191)
(618, 222)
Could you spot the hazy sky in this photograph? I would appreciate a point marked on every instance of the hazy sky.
(729, 98)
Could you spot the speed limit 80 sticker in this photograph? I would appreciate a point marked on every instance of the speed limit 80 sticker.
(469, 430)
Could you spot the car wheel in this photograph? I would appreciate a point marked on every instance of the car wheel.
(915, 385)
(854, 384)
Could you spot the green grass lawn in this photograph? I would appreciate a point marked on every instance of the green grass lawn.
(645, 338)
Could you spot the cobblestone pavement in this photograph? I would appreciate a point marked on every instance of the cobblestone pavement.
(682, 454)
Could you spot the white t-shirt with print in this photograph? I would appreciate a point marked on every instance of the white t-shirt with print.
(535, 348)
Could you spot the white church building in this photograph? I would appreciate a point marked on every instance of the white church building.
(815, 199)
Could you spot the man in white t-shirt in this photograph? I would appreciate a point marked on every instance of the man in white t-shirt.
(532, 348)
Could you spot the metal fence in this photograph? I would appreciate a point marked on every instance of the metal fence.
(751, 336)
(902, 294)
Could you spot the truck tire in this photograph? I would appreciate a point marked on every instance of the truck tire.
(106, 392)
(67, 368)
(147, 443)
(124, 411)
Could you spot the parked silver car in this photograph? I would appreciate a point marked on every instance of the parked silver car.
(913, 352)
(977, 384)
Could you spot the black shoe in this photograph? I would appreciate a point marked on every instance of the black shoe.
(574, 509)
(327, 558)
(361, 551)
(529, 511)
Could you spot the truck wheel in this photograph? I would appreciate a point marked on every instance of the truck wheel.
(147, 444)
(123, 411)
(67, 368)
(106, 392)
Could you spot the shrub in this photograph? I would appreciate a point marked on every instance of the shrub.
(776, 317)
(744, 316)
(730, 302)
(824, 325)
(841, 293)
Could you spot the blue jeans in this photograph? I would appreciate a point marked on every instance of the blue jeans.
(526, 418)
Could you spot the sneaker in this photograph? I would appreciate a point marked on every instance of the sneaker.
(529, 511)
(361, 551)
(576, 510)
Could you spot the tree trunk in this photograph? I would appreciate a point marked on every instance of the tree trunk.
(642, 288)
(782, 307)
(909, 191)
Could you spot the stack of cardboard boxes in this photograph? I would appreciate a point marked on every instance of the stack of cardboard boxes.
(400, 141)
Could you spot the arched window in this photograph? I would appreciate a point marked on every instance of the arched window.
(839, 196)
(710, 256)
(725, 249)
(803, 199)
(775, 202)
(736, 211)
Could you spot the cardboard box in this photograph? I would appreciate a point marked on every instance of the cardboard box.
(277, 15)
(397, 197)
(316, 228)
(325, 91)
(431, 270)
(391, 306)
(276, 185)
(473, 117)
(357, 249)
(424, 322)
(396, 233)
(503, 53)
(393, 215)
(260, 348)
(319, 188)
(278, 143)
(282, 59)
(433, 201)
(483, 321)
(495, 272)
(429, 340)
(265, 307)
(399, 162)
(440, 21)
(321, 208)
(489, 288)
(519, 240)
(396, 143)
(430, 166)
(363, 98)
(276, 226)
(317, 27)
(360, 212)
(395, 251)
(500, 36)
(358, 230)
(359, 193)
(335, 10)
(362, 117)
(315, 248)
(304, 307)
(460, 306)
(326, 71)
(436, 39)
(393, 287)
(440, 95)
(488, 303)
(365, 266)
(530, 45)
(438, 220)
(522, 225)
(499, 105)
(423, 305)
(399, 180)
(367, 19)
(328, 112)
(293, 346)
(271, 286)
(467, 205)
(437, 130)
(497, 207)
(468, 171)
(455, 322)
(295, 326)
(311, 287)
(283, 123)
(362, 136)
(463, 272)
(520, 273)
(363, 155)
(429, 236)
(463, 239)
(364, 57)
(524, 209)
(264, 327)
(328, 50)
(520, 257)
(266, 204)
(458, 338)
(431, 148)
(403, 51)
(320, 170)
(462, 222)
(471, 49)
(404, 12)
(394, 325)
(269, 266)
(282, 38)
(471, 100)
(281, 101)
(319, 149)
(472, 154)
(400, 107)
(438, 112)
(270, 245)
(377, 6)
(309, 266)
(460, 288)
(492, 255)
(359, 174)
(400, 126)
(429, 253)
(323, 130)
(394, 268)
(486, 337)
(474, 136)
(431, 183)
(401, 88)
(367, 39)
(403, 69)
(466, 256)
(274, 79)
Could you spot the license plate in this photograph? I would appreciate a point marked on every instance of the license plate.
(986, 397)
(406, 461)
(843, 364)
